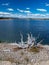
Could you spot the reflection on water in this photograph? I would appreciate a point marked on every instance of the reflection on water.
(10, 29)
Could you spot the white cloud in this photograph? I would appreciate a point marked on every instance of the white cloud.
(27, 8)
(5, 4)
(47, 4)
(6, 13)
(20, 10)
(20, 15)
(24, 11)
(37, 15)
(27, 11)
(10, 9)
(42, 10)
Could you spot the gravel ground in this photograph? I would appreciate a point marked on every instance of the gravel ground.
(22, 56)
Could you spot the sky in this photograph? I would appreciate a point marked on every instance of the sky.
(24, 8)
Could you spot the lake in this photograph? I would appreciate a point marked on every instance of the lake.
(10, 29)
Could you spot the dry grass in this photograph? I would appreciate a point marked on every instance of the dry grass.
(16, 49)
(34, 49)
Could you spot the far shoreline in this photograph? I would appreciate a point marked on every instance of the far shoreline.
(10, 18)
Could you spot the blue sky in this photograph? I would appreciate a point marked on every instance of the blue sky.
(24, 8)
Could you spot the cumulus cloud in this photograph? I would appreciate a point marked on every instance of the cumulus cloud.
(36, 15)
(5, 4)
(4, 13)
(42, 10)
(47, 4)
(27, 11)
(10, 9)
(20, 15)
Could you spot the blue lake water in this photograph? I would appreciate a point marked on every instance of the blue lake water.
(10, 29)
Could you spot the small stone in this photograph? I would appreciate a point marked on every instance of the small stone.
(32, 60)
